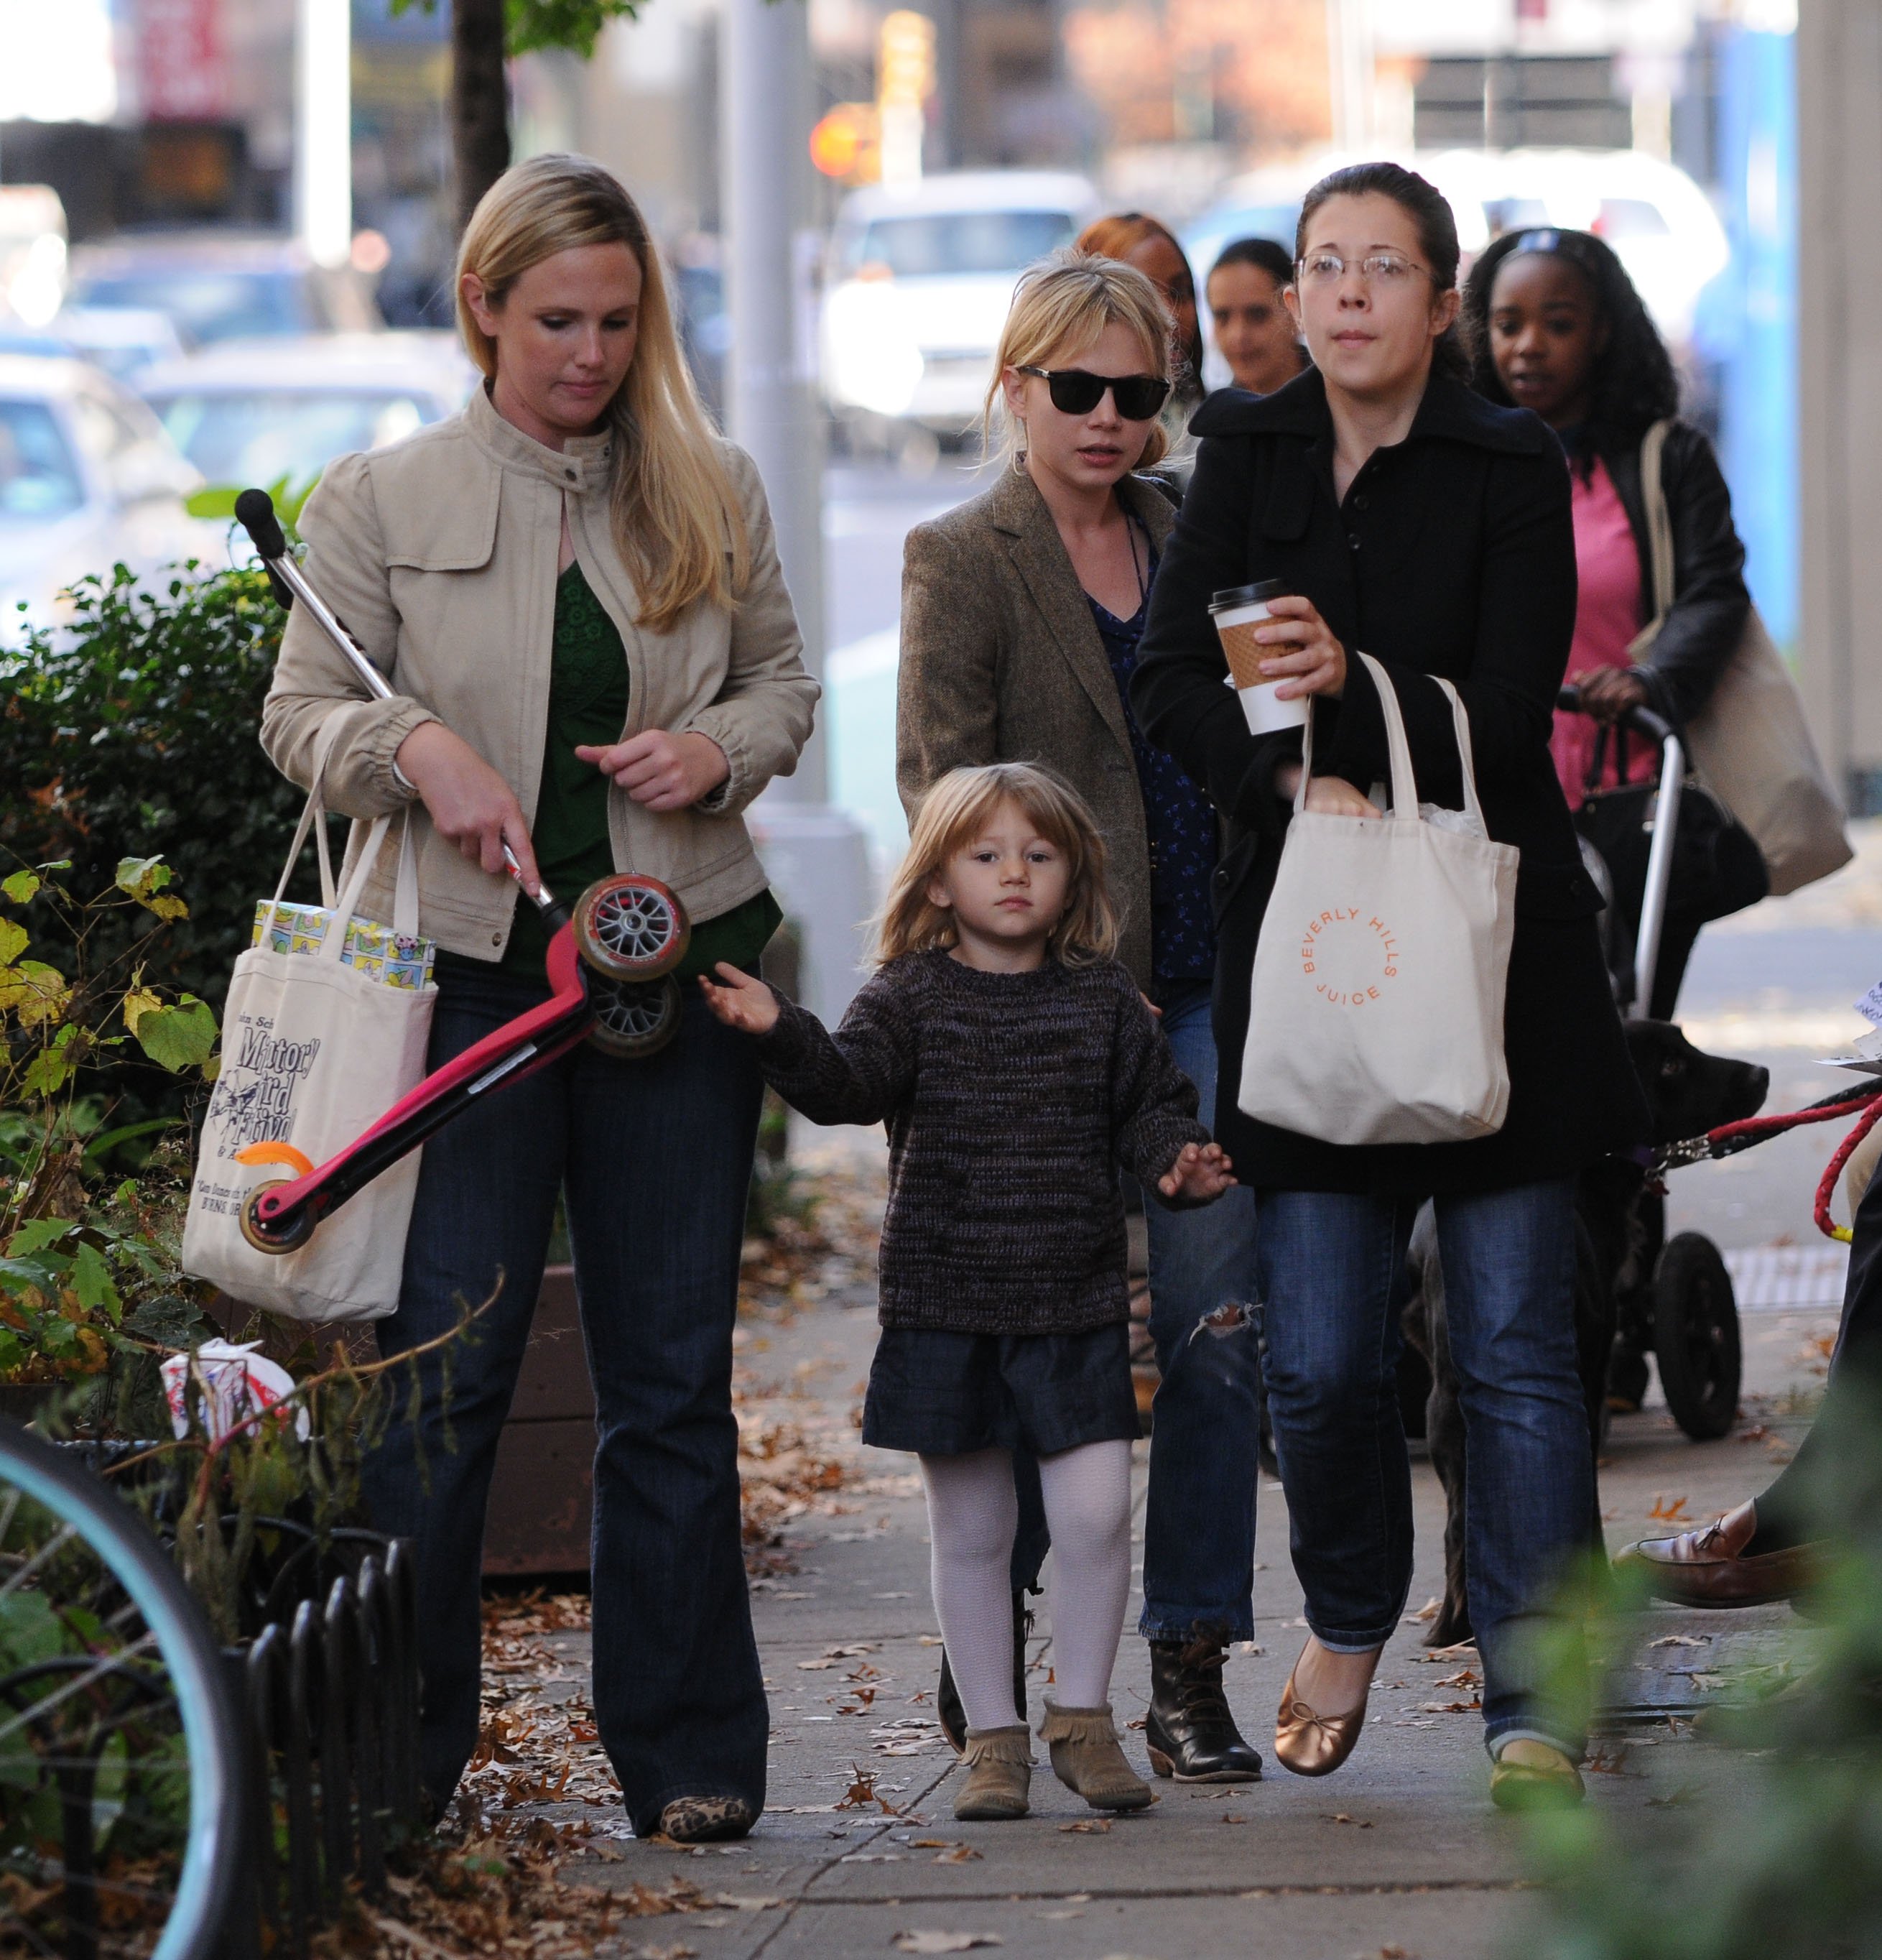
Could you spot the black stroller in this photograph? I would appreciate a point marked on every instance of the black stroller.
(1668, 858)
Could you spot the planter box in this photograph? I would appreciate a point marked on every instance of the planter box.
(543, 1496)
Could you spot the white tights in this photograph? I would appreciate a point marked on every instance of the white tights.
(972, 1517)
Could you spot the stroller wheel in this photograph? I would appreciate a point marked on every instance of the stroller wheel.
(630, 928)
(1695, 1336)
(634, 1020)
(289, 1237)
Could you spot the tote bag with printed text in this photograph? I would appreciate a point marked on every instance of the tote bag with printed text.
(1380, 975)
(314, 1052)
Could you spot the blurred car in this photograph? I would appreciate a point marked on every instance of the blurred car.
(220, 285)
(32, 253)
(252, 412)
(122, 340)
(87, 478)
(1661, 225)
(919, 281)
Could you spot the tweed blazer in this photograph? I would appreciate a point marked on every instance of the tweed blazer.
(1001, 662)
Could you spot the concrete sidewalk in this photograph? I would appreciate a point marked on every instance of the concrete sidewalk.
(1399, 1854)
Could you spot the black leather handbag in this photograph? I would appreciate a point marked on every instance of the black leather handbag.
(1717, 868)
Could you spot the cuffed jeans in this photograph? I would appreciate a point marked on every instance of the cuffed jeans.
(1199, 1520)
(655, 1159)
(1328, 1261)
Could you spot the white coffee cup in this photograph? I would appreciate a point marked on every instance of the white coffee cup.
(1237, 612)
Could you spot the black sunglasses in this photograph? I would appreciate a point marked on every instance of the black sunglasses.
(1075, 393)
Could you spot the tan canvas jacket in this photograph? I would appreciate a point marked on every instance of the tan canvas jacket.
(439, 553)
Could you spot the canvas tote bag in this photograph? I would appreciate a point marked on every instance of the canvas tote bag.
(314, 1052)
(1749, 743)
(1377, 1015)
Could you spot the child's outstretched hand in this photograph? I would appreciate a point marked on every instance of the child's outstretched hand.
(740, 1001)
(1201, 1172)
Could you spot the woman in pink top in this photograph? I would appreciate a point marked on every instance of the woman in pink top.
(1558, 327)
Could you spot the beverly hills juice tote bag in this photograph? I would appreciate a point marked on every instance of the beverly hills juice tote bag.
(319, 1040)
(1380, 974)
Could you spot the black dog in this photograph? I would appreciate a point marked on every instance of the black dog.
(1617, 1239)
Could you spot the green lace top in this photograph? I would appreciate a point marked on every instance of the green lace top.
(588, 703)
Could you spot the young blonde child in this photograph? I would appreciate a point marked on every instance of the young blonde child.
(1015, 1065)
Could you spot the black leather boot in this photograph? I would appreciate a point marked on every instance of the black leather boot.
(947, 1698)
(1188, 1730)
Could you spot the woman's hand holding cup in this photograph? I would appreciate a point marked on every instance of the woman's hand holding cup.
(1306, 658)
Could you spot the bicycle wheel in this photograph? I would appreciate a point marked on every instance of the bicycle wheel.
(119, 1762)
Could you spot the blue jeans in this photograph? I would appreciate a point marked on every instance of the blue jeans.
(1329, 1262)
(655, 1159)
(1198, 1521)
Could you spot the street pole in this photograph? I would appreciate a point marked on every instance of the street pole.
(815, 856)
(323, 129)
(1349, 73)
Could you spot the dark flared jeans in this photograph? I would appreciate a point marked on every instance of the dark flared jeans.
(655, 1159)
(1330, 1262)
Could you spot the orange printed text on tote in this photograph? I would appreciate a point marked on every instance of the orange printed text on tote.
(1349, 955)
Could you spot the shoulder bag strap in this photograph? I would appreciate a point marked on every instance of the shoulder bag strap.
(1467, 760)
(1659, 534)
(1404, 781)
(312, 815)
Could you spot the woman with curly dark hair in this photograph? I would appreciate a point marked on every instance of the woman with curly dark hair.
(1556, 326)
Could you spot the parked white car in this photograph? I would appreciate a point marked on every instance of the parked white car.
(87, 479)
(919, 278)
(252, 411)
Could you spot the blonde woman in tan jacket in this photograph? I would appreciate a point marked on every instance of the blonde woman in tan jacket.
(573, 589)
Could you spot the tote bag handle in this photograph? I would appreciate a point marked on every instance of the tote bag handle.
(1404, 781)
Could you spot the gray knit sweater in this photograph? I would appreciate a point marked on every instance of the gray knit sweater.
(1009, 1098)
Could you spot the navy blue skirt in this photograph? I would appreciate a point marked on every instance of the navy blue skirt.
(948, 1395)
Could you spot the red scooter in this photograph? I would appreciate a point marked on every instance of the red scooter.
(610, 966)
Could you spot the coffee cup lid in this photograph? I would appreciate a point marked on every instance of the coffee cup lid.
(1248, 595)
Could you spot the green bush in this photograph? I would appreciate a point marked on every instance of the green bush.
(1771, 1846)
(132, 731)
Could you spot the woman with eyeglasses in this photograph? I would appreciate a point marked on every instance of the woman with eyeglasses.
(1408, 517)
(1021, 611)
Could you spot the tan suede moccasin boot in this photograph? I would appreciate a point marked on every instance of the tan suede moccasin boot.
(1088, 1758)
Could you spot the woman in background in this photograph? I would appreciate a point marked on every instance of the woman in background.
(1247, 309)
(1557, 327)
(1147, 243)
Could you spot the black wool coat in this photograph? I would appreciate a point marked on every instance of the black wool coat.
(1452, 554)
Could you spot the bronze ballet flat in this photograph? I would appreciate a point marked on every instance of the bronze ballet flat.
(1310, 1744)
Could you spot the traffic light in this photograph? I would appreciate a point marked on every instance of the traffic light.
(904, 68)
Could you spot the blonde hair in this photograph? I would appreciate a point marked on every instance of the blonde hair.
(953, 813)
(1059, 309)
(677, 521)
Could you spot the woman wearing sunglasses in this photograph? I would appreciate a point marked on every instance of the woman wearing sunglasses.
(1021, 615)
(1412, 519)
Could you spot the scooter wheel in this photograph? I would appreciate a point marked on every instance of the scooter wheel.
(289, 1237)
(634, 1020)
(630, 928)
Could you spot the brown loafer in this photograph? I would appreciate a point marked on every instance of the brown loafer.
(1709, 1567)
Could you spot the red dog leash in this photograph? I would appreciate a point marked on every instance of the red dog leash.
(1730, 1138)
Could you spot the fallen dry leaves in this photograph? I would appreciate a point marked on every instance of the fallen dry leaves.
(496, 1876)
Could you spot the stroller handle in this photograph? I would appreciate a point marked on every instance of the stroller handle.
(1641, 720)
(255, 512)
(1665, 820)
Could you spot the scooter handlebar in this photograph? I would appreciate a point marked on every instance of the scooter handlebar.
(1642, 720)
(255, 512)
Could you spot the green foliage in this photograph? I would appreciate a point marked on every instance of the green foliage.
(290, 499)
(530, 25)
(134, 731)
(1772, 1849)
(88, 1274)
